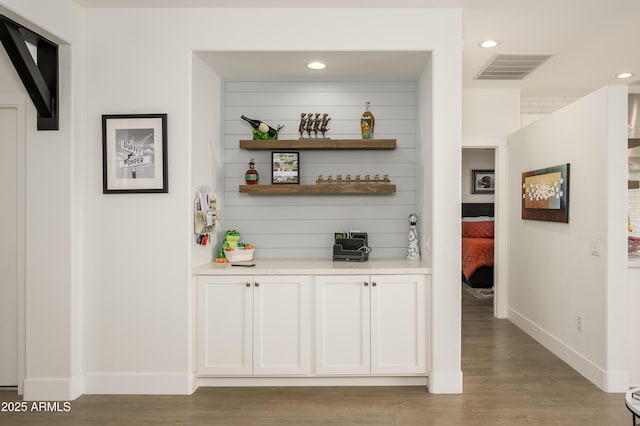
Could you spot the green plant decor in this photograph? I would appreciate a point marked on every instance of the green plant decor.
(258, 135)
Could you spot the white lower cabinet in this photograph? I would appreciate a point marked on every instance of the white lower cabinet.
(370, 324)
(282, 325)
(342, 325)
(265, 325)
(250, 325)
(398, 324)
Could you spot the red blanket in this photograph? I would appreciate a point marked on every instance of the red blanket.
(476, 252)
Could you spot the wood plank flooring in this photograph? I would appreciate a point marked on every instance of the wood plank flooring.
(509, 379)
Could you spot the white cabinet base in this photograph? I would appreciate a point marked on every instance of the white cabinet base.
(312, 330)
(312, 381)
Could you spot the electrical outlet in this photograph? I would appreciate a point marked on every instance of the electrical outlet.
(579, 323)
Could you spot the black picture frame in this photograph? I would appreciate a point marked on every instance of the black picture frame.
(134, 153)
(545, 194)
(285, 168)
(483, 181)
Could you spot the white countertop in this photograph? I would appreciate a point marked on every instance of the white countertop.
(316, 267)
(634, 261)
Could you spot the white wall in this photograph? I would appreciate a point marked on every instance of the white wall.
(302, 226)
(634, 327)
(54, 259)
(137, 259)
(536, 107)
(206, 158)
(9, 80)
(488, 117)
(553, 275)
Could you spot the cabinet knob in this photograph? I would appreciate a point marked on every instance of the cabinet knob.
(257, 284)
(366, 283)
(374, 283)
(248, 284)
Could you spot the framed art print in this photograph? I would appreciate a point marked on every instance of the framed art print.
(545, 194)
(285, 168)
(134, 153)
(483, 181)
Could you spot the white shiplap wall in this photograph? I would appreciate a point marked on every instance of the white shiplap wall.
(302, 226)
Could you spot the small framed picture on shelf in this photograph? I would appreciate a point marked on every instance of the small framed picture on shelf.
(483, 181)
(134, 153)
(285, 167)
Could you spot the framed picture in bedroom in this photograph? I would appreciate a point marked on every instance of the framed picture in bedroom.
(545, 194)
(134, 153)
(483, 181)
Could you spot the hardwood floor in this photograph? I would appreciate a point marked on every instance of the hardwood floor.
(509, 379)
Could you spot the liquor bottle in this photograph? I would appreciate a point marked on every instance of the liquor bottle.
(367, 122)
(261, 126)
(251, 176)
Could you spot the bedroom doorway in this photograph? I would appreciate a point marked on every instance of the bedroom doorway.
(479, 224)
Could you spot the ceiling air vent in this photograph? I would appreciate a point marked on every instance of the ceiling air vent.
(511, 67)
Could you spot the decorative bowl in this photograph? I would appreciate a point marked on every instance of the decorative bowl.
(239, 254)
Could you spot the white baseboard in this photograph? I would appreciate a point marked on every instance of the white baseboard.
(613, 382)
(66, 389)
(139, 383)
(445, 382)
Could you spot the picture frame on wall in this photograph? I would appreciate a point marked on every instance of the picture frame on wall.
(134, 153)
(483, 181)
(285, 167)
(545, 194)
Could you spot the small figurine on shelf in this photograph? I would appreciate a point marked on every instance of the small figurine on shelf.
(316, 124)
(325, 122)
(308, 126)
(312, 124)
(303, 120)
(413, 252)
(251, 176)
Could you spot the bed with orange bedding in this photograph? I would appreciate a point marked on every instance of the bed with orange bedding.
(478, 245)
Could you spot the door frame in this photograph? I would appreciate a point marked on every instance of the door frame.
(17, 101)
(500, 273)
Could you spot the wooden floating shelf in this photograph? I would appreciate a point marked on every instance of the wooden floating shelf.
(357, 188)
(319, 144)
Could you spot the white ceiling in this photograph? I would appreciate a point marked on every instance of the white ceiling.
(591, 42)
(341, 65)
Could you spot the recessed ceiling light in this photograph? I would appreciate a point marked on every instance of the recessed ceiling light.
(488, 44)
(316, 65)
(624, 75)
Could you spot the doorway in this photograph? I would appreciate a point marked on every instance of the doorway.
(8, 248)
(484, 162)
(12, 244)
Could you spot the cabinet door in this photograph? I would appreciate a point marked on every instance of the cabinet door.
(342, 325)
(223, 325)
(282, 324)
(398, 328)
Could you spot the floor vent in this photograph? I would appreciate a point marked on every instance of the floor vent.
(511, 67)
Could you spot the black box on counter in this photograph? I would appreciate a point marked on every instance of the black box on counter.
(351, 247)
